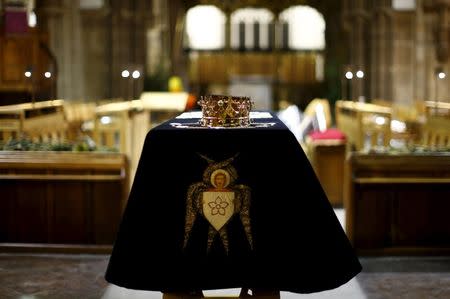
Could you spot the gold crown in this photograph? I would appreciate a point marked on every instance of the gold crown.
(225, 111)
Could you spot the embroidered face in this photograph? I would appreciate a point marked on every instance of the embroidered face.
(220, 179)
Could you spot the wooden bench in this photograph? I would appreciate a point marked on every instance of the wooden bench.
(61, 201)
(398, 204)
(363, 123)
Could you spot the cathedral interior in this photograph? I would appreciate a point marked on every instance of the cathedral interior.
(362, 85)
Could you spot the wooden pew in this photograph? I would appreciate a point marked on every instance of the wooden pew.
(398, 204)
(437, 108)
(436, 129)
(326, 156)
(41, 121)
(361, 121)
(124, 125)
(409, 120)
(61, 201)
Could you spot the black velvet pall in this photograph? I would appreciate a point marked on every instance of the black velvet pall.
(298, 243)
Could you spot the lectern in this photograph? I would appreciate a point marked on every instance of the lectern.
(217, 208)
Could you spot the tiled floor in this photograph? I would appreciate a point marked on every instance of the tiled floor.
(81, 277)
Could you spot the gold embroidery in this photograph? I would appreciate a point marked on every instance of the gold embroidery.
(217, 199)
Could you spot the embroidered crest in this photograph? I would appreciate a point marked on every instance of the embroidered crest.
(217, 199)
(218, 207)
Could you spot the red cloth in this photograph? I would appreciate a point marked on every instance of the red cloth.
(327, 134)
(16, 21)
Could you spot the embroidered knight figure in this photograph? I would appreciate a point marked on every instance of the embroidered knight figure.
(218, 198)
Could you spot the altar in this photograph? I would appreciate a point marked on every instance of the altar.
(282, 220)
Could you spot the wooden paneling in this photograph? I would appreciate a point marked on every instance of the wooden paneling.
(373, 218)
(74, 199)
(428, 223)
(106, 199)
(20, 53)
(218, 67)
(69, 213)
(398, 204)
(30, 213)
(17, 57)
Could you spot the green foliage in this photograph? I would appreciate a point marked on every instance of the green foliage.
(25, 144)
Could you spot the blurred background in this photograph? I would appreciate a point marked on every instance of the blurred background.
(363, 85)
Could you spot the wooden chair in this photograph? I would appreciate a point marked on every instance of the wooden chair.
(113, 125)
(436, 129)
(437, 108)
(409, 119)
(326, 155)
(364, 123)
(11, 123)
(436, 133)
(124, 125)
(320, 108)
(41, 121)
(76, 114)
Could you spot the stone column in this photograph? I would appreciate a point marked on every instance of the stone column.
(375, 61)
(381, 51)
(347, 28)
(403, 57)
(439, 11)
(176, 13)
(65, 41)
(120, 47)
(388, 92)
(358, 59)
(420, 78)
(129, 21)
(443, 51)
(157, 38)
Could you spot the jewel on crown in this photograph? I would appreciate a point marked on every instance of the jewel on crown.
(225, 111)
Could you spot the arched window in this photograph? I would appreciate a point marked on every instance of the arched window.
(205, 27)
(248, 17)
(306, 27)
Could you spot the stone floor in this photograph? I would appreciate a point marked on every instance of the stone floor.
(26, 276)
(81, 276)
